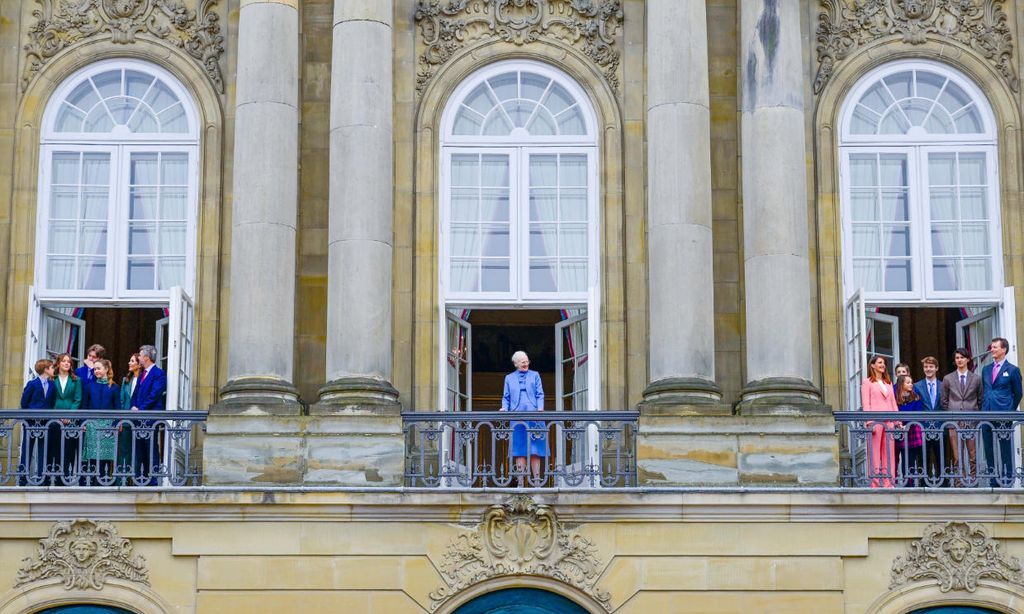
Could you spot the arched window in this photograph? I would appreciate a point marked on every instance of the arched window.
(520, 601)
(920, 198)
(117, 189)
(85, 608)
(519, 181)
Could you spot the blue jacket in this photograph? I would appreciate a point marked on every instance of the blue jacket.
(85, 374)
(921, 388)
(33, 398)
(534, 389)
(1004, 394)
(100, 396)
(151, 393)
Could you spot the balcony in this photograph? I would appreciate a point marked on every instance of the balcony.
(100, 448)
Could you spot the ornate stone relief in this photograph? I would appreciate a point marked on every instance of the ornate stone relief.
(84, 554)
(63, 23)
(446, 26)
(846, 25)
(520, 537)
(956, 555)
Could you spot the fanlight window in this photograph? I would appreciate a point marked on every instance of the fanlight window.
(912, 101)
(122, 100)
(519, 100)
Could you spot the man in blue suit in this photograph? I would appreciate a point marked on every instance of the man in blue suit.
(1002, 384)
(930, 391)
(39, 393)
(150, 395)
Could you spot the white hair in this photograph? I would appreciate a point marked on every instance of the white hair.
(519, 356)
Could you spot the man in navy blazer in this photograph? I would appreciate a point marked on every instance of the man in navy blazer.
(39, 393)
(930, 391)
(150, 395)
(1002, 384)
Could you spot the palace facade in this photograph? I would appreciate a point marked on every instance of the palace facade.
(336, 223)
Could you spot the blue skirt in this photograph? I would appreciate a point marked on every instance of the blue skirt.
(529, 435)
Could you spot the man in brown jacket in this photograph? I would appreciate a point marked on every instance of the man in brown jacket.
(962, 391)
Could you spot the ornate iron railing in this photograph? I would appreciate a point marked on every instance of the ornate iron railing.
(100, 448)
(930, 449)
(521, 449)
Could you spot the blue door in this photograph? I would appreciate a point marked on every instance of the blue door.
(85, 608)
(955, 609)
(520, 601)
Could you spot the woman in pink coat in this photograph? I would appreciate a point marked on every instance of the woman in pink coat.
(876, 394)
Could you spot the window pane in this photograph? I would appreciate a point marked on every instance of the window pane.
(900, 84)
(172, 272)
(505, 86)
(945, 240)
(943, 204)
(573, 171)
(497, 125)
(897, 241)
(92, 273)
(977, 274)
(65, 169)
(572, 241)
(495, 276)
(969, 122)
(141, 239)
(172, 238)
(93, 239)
(174, 169)
(893, 170)
(494, 206)
(144, 169)
(495, 241)
(944, 275)
(465, 276)
(573, 276)
(94, 203)
(465, 170)
(972, 169)
(141, 274)
(953, 98)
(495, 170)
(83, 96)
(465, 241)
(574, 205)
(108, 83)
(558, 99)
(543, 204)
(533, 85)
(542, 276)
(64, 203)
(464, 205)
(571, 122)
(867, 274)
(897, 275)
(975, 239)
(143, 204)
(877, 99)
(863, 121)
(479, 100)
(96, 169)
(466, 124)
(864, 205)
(894, 206)
(60, 273)
(62, 238)
(173, 119)
(544, 170)
(866, 241)
(173, 204)
(972, 204)
(69, 119)
(543, 240)
(137, 83)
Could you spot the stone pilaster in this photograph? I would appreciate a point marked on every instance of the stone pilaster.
(360, 236)
(264, 206)
(775, 241)
(681, 346)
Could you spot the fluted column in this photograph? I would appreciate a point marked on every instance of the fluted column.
(681, 340)
(774, 165)
(264, 201)
(360, 244)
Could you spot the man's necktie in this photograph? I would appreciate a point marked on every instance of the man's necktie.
(995, 371)
(963, 384)
(931, 394)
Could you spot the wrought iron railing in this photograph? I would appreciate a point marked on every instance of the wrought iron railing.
(930, 449)
(100, 448)
(521, 449)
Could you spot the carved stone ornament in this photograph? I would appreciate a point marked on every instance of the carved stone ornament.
(846, 25)
(520, 537)
(63, 23)
(446, 26)
(956, 555)
(84, 554)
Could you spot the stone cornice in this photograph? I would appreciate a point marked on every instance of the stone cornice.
(422, 505)
(845, 26)
(63, 24)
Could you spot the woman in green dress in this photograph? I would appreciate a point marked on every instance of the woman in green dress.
(69, 398)
(100, 444)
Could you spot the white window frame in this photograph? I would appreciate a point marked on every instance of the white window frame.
(120, 145)
(519, 146)
(917, 148)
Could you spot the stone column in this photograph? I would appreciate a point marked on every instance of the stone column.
(360, 243)
(264, 201)
(774, 167)
(682, 339)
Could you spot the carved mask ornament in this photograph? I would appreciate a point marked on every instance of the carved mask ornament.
(84, 554)
(956, 555)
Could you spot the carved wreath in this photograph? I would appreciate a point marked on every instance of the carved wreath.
(63, 23)
(956, 555)
(447, 26)
(846, 25)
(520, 537)
(84, 554)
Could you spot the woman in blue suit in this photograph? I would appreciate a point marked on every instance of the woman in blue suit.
(524, 392)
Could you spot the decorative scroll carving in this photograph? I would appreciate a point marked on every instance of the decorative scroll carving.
(63, 23)
(84, 554)
(846, 25)
(447, 26)
(520, 537)
(957, 555)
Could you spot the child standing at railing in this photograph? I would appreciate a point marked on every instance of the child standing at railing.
(909, 453)
(100, 436)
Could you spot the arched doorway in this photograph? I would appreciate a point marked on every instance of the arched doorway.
(520, 601)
